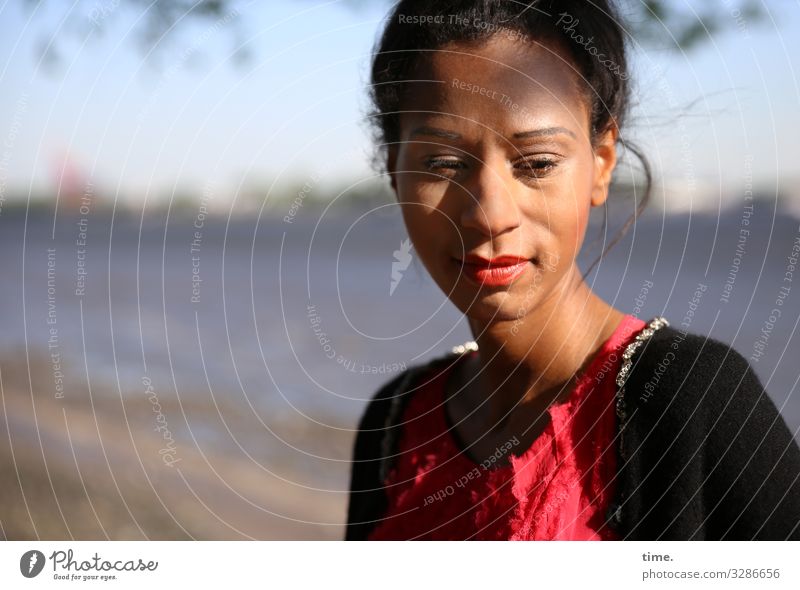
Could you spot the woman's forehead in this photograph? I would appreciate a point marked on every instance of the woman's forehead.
(498, 79)
(501, 99)
(500, 60)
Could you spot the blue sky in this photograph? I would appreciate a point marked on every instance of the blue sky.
(185, 123)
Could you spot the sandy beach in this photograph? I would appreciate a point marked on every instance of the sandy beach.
(91, 467)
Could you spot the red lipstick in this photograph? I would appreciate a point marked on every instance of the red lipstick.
(498, 271)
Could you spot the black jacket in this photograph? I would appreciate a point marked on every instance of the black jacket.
(704, 455)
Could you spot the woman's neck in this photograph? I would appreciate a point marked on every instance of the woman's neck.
(534, 359)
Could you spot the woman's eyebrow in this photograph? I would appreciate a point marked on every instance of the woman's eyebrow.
(435, 132)
(544, 132)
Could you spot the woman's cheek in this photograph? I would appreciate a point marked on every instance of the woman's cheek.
(571, 216)
(422, 225)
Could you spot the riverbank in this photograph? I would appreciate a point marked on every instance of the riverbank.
(94, 467)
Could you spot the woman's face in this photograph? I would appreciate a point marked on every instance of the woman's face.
(495, 159)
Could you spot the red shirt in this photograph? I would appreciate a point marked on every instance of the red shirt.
(557, 489)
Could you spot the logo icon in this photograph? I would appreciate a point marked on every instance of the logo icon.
(31, 563)
(402, 260)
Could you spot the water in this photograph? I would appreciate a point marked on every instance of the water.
(243, 332)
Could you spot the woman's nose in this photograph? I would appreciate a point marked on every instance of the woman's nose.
(490, 206)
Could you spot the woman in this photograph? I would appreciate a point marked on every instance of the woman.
(500, 124)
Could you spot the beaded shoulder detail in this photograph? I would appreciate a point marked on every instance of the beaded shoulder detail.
(615, 513)
(644, 334)
(466, 347)
(654, 324)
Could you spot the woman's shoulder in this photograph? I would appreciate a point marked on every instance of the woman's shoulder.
(675, 369)
(393, 395)
(380, 425)
(671, 346)
(708, 454)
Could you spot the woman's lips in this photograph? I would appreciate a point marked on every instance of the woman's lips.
(492, 274)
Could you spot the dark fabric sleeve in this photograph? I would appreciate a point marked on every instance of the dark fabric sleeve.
(367, 501)
(713, 458)
(753, 462)
(662, 496)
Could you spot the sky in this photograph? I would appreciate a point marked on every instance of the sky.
(190, 119)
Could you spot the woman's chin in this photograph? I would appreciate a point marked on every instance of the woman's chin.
(491, 305)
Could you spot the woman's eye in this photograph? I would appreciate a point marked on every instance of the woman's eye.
(533, 167)
(537, 167)
(443, 166)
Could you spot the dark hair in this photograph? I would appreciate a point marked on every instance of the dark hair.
(412, 30)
